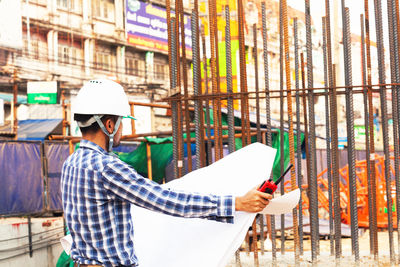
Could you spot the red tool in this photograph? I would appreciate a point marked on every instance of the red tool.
(269, 186)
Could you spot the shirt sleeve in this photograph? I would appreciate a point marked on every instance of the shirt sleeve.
(124, 182)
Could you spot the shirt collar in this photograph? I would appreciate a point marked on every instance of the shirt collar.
(88, 144)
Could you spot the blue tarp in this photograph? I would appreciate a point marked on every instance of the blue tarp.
(10, 97)
(36, 129)
(56, 153)
(21, 189)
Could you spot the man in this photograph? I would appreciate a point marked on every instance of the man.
(98, 188)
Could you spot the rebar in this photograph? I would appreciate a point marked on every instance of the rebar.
(260, 218)
(196, 88)
(395, 77)
(214, 74)
(366, 125)
(207, 103)
(312, 176)
(382, 78)
(328, 140)
(291, 134)
(350, 131)
(174, 107)
(255, 57)
(270, 218)
(244, 105)
(181, 19)
(281, 120)
(334, 135)
(372, 182)
(228, 54)
(298, 132)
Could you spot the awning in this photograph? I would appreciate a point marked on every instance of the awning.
(9, 98)
(38, 129)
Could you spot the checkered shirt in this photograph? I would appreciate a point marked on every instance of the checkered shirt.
(97, 192)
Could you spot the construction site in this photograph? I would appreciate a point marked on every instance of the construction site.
(319, 81)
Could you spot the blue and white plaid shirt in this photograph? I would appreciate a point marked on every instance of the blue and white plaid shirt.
(97, 192)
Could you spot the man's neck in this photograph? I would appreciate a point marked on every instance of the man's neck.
(98, 138)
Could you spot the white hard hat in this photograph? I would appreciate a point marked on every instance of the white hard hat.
(102, 96)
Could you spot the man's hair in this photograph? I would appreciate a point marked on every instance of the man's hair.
(94, 127)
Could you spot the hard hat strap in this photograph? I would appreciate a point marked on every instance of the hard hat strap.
(103, 128)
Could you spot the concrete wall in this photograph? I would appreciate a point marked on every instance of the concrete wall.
(14, 244)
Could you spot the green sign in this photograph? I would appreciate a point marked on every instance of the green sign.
(42, 98)
(42, 92)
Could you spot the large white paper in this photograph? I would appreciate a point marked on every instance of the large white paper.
(162, 240)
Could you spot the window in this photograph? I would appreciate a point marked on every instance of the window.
(103, 61)
(33, 52)
(132, 66)
(160, 71)
(69, 55)
(72, 5)
(63, 4)
(104, 9)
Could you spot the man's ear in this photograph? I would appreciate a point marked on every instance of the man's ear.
(110, 125)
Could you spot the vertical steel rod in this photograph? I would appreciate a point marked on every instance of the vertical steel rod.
(281, 119)
(394, 69)
(243, 77)
(268, 117)
(214, 75)
(372, 183)
(312, 176)
(181, 20)
(196, 87)
(366, 125)
(174, 107)
(328, 140)
(290, 122)
(255, 56)
(260, 218)
(334, 135)
(207, 102)
(228, 54)
(298, 132)
(350, 131)
(382, 92)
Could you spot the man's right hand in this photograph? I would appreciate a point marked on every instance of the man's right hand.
(252, 201)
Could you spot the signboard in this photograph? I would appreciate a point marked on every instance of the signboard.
(1, 112)
(42, 92)
(146, 26)
(10, 24)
